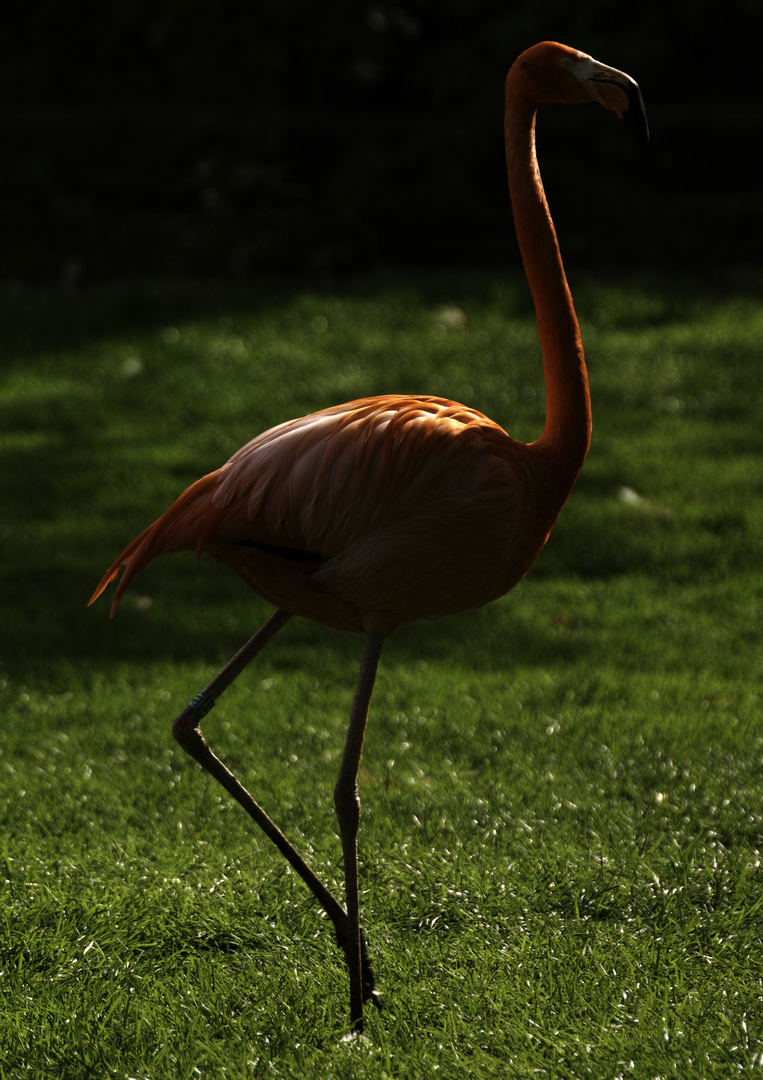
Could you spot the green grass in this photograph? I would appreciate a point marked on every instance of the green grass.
(562, 793)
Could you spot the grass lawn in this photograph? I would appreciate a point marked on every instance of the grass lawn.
(562, 793)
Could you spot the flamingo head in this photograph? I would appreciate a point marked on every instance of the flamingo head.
(554, 73)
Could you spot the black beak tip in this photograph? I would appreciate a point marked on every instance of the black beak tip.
(635, 117)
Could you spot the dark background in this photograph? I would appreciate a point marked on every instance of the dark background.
(228, 137)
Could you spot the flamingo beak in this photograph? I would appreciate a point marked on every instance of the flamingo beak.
(616, 91)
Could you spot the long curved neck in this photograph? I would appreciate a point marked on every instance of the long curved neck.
(567, 433)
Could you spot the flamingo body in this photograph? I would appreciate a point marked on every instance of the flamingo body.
(369, 515)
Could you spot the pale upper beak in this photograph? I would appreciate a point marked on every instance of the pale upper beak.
(614, 90)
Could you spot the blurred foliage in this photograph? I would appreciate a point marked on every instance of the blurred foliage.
(227, 137)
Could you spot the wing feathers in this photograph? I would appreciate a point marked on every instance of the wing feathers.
(325, 483)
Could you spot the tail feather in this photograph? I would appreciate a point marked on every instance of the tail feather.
(188, 525)
(133, 559)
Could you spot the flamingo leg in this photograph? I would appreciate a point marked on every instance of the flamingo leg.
(347, 804)
(187, 730)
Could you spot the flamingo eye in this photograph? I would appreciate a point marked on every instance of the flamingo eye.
(564, 62)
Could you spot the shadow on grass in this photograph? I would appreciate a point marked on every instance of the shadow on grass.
(59, 634)
(36, 321)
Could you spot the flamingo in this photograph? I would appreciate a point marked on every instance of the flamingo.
(372, 514)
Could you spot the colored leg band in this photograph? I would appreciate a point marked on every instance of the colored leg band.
(202, 704)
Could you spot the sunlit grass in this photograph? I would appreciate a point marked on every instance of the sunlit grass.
(562, 793)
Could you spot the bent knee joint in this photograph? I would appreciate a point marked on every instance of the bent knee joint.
(186, 727)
